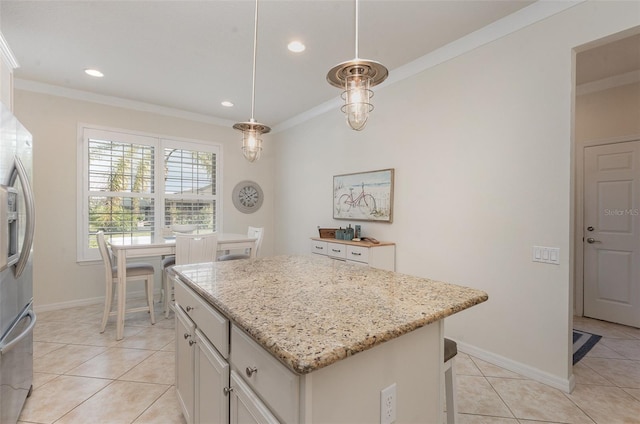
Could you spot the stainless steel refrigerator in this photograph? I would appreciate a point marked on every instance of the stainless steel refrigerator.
(17, 225)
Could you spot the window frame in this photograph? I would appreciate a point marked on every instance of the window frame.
(159, 142)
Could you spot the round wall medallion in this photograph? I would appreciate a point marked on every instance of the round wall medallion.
(247, 196)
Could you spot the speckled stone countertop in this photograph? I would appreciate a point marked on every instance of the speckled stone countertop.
(310, 311)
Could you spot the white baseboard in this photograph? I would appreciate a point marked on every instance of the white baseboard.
(566, 385)
(85, 302)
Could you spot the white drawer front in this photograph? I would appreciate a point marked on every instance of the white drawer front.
(358, 254)
(337, 250)
(319, 247)
(212, 323)
(275, 384)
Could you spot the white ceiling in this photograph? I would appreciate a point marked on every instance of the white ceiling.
(191, 55)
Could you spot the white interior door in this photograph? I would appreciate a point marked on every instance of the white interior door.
(611, 233)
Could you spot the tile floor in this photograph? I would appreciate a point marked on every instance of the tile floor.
(82, 376)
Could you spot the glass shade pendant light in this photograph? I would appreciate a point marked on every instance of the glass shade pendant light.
(252, 130)
(356, 77)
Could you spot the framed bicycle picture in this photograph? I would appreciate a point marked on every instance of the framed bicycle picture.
(364, 196)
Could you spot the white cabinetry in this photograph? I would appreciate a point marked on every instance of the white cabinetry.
(246, 407)
(203, 378)
(185, 369)
(202, 373)
(381, 255)
(247, 384)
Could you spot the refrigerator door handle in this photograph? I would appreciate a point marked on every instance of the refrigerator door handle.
(21, 173)
(5, 348)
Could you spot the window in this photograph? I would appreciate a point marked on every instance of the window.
(137, 187)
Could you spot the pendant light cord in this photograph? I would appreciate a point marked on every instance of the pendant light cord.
(357, 12)
(255, 49)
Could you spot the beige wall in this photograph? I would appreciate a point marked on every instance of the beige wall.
(482, 149)
(58, 279)
(608, 114)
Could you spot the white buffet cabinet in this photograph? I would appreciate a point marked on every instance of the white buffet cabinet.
(381, 255)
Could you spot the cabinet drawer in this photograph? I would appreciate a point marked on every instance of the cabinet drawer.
(212, 323)
(337, 250)
(358, 254)
(319, 247)
(275, 384)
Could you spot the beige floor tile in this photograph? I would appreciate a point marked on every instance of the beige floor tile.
(120, 402)
(111, 364)
(600, 350)
(66, 358)
(601, 328)
(483, 419)
(78, 314)
(490, 370)
(161, 322)
(72, 333)
(149, 338)
(530, 400)
(607, 405)
(622, 372)
(630, 349)
(41, 378)
(55, 398)
(585, 375)
(158, 368)
(475, 396)
(465, 365)
(633, 392)
(42, 348)
(170, 347)
(163, 411)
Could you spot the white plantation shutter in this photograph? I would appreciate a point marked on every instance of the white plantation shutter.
(190, 188)
(136, 187)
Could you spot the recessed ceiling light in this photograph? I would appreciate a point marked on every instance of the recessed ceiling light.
(296, 46)
(94, 73)
(227, 103)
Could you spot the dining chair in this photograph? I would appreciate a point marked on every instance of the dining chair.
(190, 249)
(253, 232)
(170, 260)
(450, 352)
(135, 272)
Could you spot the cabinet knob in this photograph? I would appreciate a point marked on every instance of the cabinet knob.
(250, 371)
(186, 336)
(189, 309)
(227, 390)
(192, 342)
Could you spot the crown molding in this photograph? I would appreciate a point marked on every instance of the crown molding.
(54, 90)
(529, 15)
(7, 54)
(608, 83)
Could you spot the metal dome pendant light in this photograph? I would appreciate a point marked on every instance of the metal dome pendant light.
(356, 77)
(252, 130)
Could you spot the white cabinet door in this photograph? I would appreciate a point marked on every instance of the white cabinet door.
(185, 370)
(246, 407)
(212, 376)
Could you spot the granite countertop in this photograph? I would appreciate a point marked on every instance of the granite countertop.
(310, 311)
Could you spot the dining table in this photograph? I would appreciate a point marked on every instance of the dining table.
(144, 247)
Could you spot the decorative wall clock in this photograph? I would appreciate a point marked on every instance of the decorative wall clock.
(247, 196)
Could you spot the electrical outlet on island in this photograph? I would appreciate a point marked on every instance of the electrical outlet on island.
(388, 405)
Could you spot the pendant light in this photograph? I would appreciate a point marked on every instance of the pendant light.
(252, 130)
(356, 77)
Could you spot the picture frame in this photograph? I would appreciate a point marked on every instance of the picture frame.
(364, 196)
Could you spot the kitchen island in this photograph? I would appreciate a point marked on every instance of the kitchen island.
(308, 339)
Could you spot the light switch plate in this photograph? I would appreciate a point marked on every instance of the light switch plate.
(547, 255)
